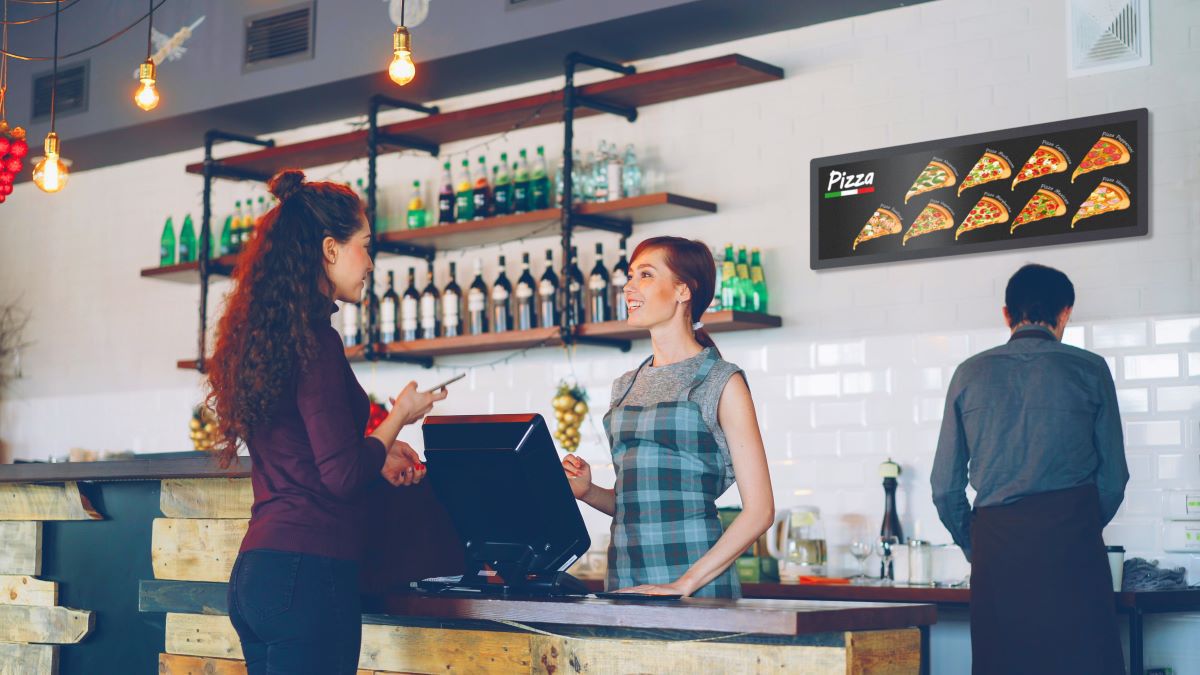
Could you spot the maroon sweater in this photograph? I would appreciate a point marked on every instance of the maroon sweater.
(312, 465)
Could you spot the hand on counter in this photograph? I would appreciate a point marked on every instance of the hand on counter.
(674, 588)
(579, 475)
(403, 466)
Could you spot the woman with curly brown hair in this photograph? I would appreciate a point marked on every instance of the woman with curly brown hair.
(280, 383)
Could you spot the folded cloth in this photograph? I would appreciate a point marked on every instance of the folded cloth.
(1145, 575)
(823, 581)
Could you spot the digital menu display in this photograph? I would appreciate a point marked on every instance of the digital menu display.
(1071, 181)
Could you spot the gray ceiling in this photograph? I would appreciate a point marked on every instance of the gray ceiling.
(464, 46)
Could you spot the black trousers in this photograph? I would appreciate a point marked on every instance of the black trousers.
(1041, 591)
(296, 613)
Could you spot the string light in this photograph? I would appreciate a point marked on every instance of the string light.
(402, 70)
(146, 97)
(50, 174)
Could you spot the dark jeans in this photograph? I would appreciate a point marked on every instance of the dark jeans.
(296, 613)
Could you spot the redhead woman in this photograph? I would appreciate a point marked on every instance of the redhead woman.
(682, 429)
(280, 383)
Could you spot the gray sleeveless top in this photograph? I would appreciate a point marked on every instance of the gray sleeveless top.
(658, 385)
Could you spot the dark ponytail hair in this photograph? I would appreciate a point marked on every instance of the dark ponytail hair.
(280, 294)
(693, 265)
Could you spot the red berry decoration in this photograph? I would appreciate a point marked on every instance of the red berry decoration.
(2, 198)
(377, 415)
(4, 143)
(18, 149)
(6, 189)
(6, 178)
(13, 165)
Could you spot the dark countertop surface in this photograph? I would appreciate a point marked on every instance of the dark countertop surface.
(143, 467)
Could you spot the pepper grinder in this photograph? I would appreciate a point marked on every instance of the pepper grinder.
(890, 470)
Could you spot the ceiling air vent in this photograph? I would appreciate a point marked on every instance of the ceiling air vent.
(1104, 35)
(281, 36)
(72, 92)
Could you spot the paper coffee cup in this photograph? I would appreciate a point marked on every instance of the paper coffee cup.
(1116, 565)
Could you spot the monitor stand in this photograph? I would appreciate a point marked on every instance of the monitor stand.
(510, 576)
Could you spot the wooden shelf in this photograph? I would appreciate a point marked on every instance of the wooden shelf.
(189, 272)
(643, 209)
(641, 89)
(714, 322)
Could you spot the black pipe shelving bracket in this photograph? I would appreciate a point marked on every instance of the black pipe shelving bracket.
(213, 168)
(571, 219)
(409, 250)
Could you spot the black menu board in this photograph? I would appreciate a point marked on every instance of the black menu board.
(1076, 180)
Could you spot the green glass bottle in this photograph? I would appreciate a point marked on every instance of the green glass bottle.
(728, 279)
(226, 246)
(745, 288)
(235, 228)
(502, 186)
(166, 244)
(187, 241)
(539, 183)
(464, 195)
(521, 188)
(759, 296)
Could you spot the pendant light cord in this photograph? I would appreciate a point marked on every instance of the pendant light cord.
(150, 30)
(402, 12)
(54, 84)
(4, 66)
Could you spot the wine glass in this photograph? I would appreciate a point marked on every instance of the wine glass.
(884, 547)
(861, 550)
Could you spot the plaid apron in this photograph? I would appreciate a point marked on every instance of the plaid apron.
(670, 471)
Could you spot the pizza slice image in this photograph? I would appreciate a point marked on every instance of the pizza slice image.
(1106, 198)
(936, 175)
(1043, 162)
(1042, 205)
(988, 211)
(990, 167)
(882, 223)
(933, 218)
(1105, 153)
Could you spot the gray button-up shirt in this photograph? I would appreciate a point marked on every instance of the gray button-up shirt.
(1029, 416)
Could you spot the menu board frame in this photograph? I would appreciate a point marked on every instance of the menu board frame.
(831, 238)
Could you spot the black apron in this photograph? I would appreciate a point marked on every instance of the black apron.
(1041, 591)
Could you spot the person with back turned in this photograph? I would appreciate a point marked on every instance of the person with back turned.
(1034, 425)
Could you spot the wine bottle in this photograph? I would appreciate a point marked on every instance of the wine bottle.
(890, 471)
(350, 326)
(477, 299)
(428, 309)
(368, 316)
(452, 306)
(502, 302)
(574, 283)
(598, 288)
(389, 307)
(526, 297)
(620, 277)
(410, 320)
(548, 293)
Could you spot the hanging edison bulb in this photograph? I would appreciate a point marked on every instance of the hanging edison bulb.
(402, 70)
(146, 97)
(50, 174)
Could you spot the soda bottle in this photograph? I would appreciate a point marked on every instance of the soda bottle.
(521, 187)
(482, 194)
(446, 197)
(464, 195)
(166, 244)
(416, 217)
(728, 279)
(187, 241)
(745, 289)
(502, 187)
(539, 183)
(759, 297)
